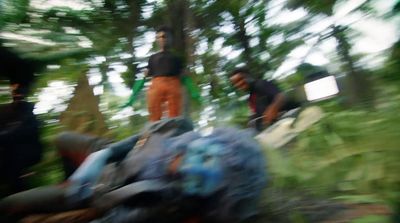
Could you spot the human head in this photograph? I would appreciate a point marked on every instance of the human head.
(240, 78)
(18, 90)
(19, 71)
(163, 37)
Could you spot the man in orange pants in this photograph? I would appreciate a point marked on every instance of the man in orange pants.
(165, 69)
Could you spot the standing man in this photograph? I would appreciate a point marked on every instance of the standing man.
(266, 99)
(20, 145)
(165, 70)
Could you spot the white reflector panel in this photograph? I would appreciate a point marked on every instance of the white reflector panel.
(321, 88)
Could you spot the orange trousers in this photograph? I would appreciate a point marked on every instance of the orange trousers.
(164, 90)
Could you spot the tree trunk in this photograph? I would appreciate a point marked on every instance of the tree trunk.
(177, 17)
(133, 21)
(83, 114)
(358, 86)
(244, 40)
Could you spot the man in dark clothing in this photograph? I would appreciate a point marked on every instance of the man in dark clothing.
(265, 101)
(20, 147)
(165, 69)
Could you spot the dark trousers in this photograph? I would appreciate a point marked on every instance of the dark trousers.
(14, 165)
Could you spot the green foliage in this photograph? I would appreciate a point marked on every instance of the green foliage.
(240, 116)
(351, 155)
(389, 72)
(13, 11)
(314, 6)
(69, 71)
(372, 219)
(49, 170)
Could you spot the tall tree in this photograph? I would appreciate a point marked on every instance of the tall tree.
(358, 86)
(107, 28)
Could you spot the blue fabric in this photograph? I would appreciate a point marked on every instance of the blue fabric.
(226, 166)
(83, 179)
(201, 167)
(86, 175)
(229, 160)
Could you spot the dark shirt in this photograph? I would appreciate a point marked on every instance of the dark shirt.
(164, 64)
(20, 144)
(262, 94)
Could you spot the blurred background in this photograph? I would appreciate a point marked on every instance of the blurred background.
(88, 53)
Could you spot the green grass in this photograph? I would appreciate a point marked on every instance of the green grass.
(351, 155)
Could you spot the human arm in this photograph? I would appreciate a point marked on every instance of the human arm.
(139, 83)
(83, 179)
(188, 82)
(18, 123)
(191, 87)
(85, 176)
(272, 95)
(272, 111)
(136, 88)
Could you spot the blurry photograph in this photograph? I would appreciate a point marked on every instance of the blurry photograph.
(199, 111)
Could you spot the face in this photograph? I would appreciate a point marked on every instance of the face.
(18, 91)
(162, 39)
(14, 90)
(239, 81)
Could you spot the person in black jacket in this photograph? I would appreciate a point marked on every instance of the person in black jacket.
(266, 100)
(20, 145)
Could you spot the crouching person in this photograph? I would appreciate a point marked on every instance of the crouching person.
(167, 173)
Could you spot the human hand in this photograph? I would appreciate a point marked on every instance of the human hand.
(78, 190)
(84, 178)
(270, 114)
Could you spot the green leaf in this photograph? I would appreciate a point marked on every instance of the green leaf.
(372, 219)
(363, 198)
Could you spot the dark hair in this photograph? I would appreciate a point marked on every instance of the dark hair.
(243, 70)
(16, 69)
(165, 29)
(245, 73)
